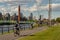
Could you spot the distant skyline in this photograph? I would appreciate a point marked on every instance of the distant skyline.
(37, 7)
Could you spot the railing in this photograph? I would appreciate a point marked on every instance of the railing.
(8, 29)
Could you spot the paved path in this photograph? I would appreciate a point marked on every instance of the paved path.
(23, 34)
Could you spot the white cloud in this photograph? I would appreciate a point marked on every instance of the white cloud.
(30, 9)
(54, 7)
(12, 8)
(33, 8)
(38, 1)
(16, 2)
(4, 0)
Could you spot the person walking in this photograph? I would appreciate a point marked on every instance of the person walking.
(32, 25)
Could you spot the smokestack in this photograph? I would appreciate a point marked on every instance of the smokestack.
(18, 13)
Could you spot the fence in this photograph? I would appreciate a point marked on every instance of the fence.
(8, 29)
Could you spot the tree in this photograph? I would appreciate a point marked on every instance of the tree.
(0, 16)
(53, 21)
(24, 19)
(58, 19)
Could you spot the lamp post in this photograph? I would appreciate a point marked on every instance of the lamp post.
(49, 13)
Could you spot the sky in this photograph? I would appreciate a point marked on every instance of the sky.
(37, 7)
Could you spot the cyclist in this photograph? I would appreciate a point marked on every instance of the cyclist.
(16, 31)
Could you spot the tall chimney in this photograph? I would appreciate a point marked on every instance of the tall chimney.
(18, 13)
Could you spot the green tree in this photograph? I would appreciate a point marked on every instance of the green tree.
(58, 20)
(53, 20)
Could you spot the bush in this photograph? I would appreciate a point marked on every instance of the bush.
(35, 25)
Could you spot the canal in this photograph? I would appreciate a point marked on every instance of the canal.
(7, 28)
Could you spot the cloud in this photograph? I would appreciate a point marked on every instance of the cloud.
(13, 7)
(56, 1)
(54, 7)
(34, 7)
(31, 9)
(4, 0)
(16, 2)
(38, 1)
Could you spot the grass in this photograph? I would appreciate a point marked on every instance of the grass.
(53, 33)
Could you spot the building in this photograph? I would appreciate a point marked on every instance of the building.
(15, 17)
(12, 17)
(7, 16)
(21, 15)
(41, 17)
(31, 17)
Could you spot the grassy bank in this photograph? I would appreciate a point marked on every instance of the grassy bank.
(53, 33)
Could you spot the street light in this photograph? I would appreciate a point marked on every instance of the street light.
(38, 11)
(49, 13)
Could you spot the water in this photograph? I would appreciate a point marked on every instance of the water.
(5, 27)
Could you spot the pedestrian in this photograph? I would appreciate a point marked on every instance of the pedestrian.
(32, 25)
